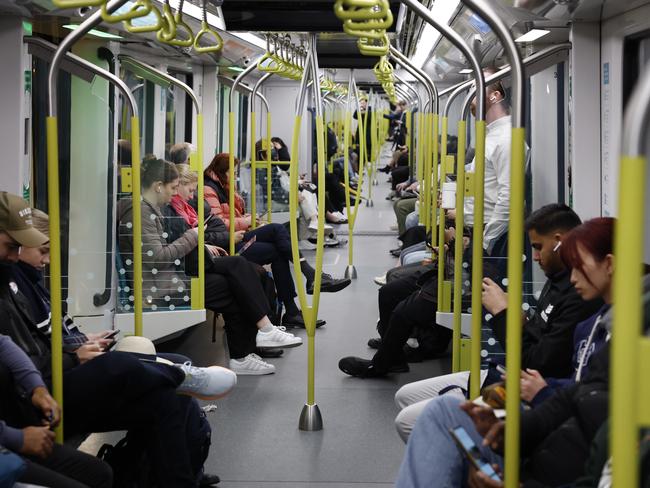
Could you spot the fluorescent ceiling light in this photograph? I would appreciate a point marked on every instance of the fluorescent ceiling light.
(465, 71)
(442, 10)
(94, 32)
(532, 35)
(235, 68)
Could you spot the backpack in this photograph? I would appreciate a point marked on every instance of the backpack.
(128, 458)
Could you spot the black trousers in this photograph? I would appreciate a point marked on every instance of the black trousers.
(399, 175)
(117, 391)
(273, 246)
(402, 308)
(232, 288)
(65, 467)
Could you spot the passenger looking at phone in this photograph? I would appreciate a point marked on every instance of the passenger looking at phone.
(106, 391)
(548, 334)
(555, 435)
(273, 244)
(232, 285)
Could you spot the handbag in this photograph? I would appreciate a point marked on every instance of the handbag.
(12, 467)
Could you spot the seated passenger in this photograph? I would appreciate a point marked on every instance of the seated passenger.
(547, 342)
(27, 415)
(232, 286)
(555, 436)
(106, 391)
(180, 153)
(273, 243)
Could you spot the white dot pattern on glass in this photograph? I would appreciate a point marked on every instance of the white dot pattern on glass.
(69, 300)
(129, 225)
(177, 262)
(127, 289)
(465, 265)
(491, 341)
(129, 262)
(174, 280)
(484, 353)
(131, 298)
(127, 307)
(504, 281)
(181, 289)
(154, 271)
(525, 307)
(469, 310)
(523, 257)
(154, 307)
(172, 307)
(152, 217)
(186, 298)
(149, 253)
(165, 235)
(488, 316)
(167, 298)
(154, 289)
(122, 271)
(149, 298)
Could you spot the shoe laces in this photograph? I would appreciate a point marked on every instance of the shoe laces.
(257, 359)
(193, 376)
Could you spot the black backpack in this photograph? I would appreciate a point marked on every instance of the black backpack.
(129, 461)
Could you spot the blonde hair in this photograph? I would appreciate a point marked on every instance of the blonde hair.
(186, 175)
(41, 221)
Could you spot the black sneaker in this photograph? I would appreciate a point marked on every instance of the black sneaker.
(374, 343)
(296, 321)
(329, 284)
(396, 252)
(363, 368)
(208, 480)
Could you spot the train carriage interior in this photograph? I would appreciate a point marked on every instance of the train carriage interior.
(353, 217)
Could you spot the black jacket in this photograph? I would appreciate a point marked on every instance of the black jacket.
(547, 337)
(18, 324)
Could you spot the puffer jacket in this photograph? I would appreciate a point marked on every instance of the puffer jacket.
(159, 258)
(217, 197)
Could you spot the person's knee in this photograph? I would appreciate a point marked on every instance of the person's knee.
(404, 424)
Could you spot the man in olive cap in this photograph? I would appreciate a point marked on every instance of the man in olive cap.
(16, 227)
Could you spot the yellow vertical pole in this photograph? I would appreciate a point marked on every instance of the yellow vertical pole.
(231, 181)
(269, 171)
(441, 218)
(477, 261)
(434, 181)
(628, 319)
(55, 265)
(346, 176)
(200, 208)
(254, 172)
(427, 172)
(459, 248)
(136, 194)
(515, 299)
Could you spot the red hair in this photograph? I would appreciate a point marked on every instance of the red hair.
(220, 165)
(595, 236)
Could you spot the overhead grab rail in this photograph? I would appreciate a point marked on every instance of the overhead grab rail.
(630, 347)
(53, 197)
(515, 239)
(196, 163)
(207, 31)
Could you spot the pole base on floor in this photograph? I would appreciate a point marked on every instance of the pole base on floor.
(375, 182)
(369, 203)
(310, 418)
(351, 272)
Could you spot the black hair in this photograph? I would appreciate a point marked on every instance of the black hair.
(279, 141)
(552, 217)
(154, 169)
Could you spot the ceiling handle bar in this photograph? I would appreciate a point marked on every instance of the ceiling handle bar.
(420, 76)
(52, 132)
(515, 239)
(628, 343)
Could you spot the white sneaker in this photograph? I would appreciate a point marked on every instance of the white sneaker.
(277, 338)
(380, 280)
(206, 383)
(251, 365)
(313, 226)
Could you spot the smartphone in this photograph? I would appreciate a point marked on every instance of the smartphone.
(110, 345)
(246, 245)
(111, 334)
(471, 451)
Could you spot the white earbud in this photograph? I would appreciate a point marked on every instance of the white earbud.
(557, 246)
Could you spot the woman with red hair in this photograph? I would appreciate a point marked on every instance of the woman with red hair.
(272, 245)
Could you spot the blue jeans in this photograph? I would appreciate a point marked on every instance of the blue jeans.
(432, 457)
(412, 219)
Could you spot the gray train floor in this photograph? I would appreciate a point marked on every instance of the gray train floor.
(256, 442)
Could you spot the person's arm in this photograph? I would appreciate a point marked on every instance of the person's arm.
(22, 368)
(283, 154)
(156, 249)
(501, 160)
(10, 437)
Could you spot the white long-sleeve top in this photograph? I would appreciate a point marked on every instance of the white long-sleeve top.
(497, 182)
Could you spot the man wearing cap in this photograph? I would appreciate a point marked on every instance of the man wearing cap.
(114, 391)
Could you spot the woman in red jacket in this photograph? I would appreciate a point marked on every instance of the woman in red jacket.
(272, 246)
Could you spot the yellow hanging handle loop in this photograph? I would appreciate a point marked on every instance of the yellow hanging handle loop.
(206, 30)
(379, 48)
(167, 31)
(77, 3)
(141, 8)
(138, 29)
(361, 10)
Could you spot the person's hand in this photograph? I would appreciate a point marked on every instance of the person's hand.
(37, 441)
(413, 186)
(494, 299)
(88, 351)
(248, 220)
(531, 383)
(100, 338)
(483, 417)
(478, 479)
(239, 236)
(400, 186)
(450, 233)
(213, 250)
(300, 198)
(277, 145)
(47, 405)
(451, 214)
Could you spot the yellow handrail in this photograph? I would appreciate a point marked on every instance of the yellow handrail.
(459, 246)
(206, 30)
(138, 29)
(140, 8)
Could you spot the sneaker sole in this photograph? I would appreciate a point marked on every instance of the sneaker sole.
(253, 373)
(205, 397)
(275, 345)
